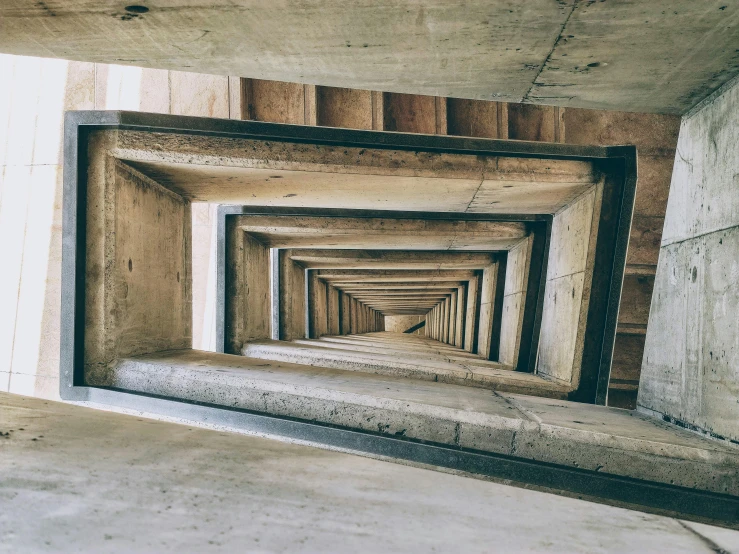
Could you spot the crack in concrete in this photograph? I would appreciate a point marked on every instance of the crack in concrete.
(526, 415)
(705, 540)
(467, 209)
(549, 56)
(513, 443)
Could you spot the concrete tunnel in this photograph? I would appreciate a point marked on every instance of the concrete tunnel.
(331, 242)
(456, 283)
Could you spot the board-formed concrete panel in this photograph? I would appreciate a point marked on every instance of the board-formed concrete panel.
(691, 364)
(569, 274)
(144, 282)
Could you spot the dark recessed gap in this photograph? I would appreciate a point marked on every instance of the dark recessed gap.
(135, 8)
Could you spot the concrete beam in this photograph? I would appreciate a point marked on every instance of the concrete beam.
(381, 233)
(605, 55)
(390, 259)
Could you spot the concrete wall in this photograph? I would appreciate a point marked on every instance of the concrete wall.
(655, 137)
(345, 314)
(334, 310)
(292, 298)
(472, 313)
(138, 297)
(318, 301)
(514, 300)
(34, 93)
(567, 294)
(399, 323)
(487, 307)
(248, 306)
(691, 362)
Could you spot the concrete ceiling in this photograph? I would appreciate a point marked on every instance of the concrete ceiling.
(659, 56)
(487, 185)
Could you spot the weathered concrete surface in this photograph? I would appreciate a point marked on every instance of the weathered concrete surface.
(137, 278)
(514, 301)
(217, 169)
(248, 287)
(403, 348)
(472, 314)
(655, 137)
(399, 323)
(487, 300)
(567, 293)
(407, 356)
(691, 363)
(184, 489)
(317, 306)
(333, 301)
(594, 55)
(576, 435)
(292, 291)
(317, 232)
(391, 259)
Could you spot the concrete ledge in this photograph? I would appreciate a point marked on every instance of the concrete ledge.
(395, 342)
(456, 356)
(588, 437)
(488, 376)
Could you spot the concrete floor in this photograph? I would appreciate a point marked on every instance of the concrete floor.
(74, 479)
(583, 436)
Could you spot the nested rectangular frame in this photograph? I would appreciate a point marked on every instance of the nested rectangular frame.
(618, 163)
(645, 495)
(538, 225)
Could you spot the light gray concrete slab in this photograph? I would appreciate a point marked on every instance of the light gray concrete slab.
(576, 435)
(607, 55)
(83, 480)
(690, 370)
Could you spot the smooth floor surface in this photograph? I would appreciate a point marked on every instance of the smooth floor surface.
(74, 479)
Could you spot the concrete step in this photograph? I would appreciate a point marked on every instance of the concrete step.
(413, 341)
(387, 347)
(405, 365)
(418, 342)
(593, 438)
